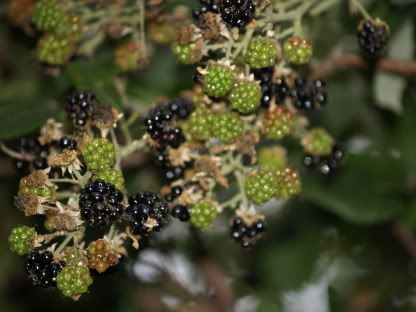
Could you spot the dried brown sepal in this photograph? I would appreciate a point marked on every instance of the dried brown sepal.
(63, 159)
(211, 26)
(247, 143)
(104, 116)
(178, 157)
(210, 166)
(37, 178)
(30, 204)
(63, 221)
(51, 131)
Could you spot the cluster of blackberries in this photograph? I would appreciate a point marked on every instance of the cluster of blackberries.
(307, 96)
(161, 124)
(247, 234)
(205, 6)
(237, 13)
(372, 38)
(31, 147)
(327, 164)
(147, 212)
(270, 89)
(80, 106)
(42, 269)
(67, 143)
(100, 203)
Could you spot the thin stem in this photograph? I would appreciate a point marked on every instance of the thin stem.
(285, 33)
(134, 146)
(361, 8)
(117, 148)
(65, 242)
(64, 181)
(243, 44)
(111, 232)
(141, 24)
(12, 153)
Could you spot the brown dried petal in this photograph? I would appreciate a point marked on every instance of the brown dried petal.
(64, 159)
(51, 131)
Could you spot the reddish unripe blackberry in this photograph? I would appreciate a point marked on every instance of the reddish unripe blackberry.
(146, 212)
(237, 13)
(79, 107)
(372, 37)
(247, 233)
(100, 203)
(41, 269)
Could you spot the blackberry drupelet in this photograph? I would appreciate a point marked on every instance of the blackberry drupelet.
(260, 186)
(372, 37)
(330, 163)
(175, 192)
(79, 107)
(100, 203)
(181, 212)
(41, 269)
(205, 6)
(181, 107)
(237, 13)
(67, 143)
(21, 239)
(74, 280)
(30, 146)
(247, 234)
(307, 96)
(174, 173)
(147, 212)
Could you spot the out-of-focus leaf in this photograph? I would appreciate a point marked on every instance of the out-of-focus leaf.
(366, 191)
(388, 91)
(96, 75)
(323, 6)
(388, 88)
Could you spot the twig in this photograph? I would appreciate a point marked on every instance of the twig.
(343, 59)
(64, 243)
(14, 154)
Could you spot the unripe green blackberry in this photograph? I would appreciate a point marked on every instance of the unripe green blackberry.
(74, 280)
(245, 96)
(318, 142)
(227, 127)
(99, 154)
(21, 239)
(72, 27)
(41, 191)
(278, 122)
(218, 80)
(288, 183)
(298, 50)
(260, 186)
(199, 124)
(203, 214)
(54, 50)
(128, 56)
(190, 53)
(47, 15)
(112, 176)
(261, 52)
(272, 158)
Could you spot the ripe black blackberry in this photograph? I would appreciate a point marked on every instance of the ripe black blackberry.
(100, 203)
(328, 163)
(162, 158)
(174, 173)
(175, 192)
(372, 37)
(237, 13)
(270, 89)
(146, 212)
(67, 143)
(42, 269)
(79, 107)
(205, 6)
(181, 107)
(307, 96)
(30, 146)
(181, 212)
(159, 124)
(247, 234)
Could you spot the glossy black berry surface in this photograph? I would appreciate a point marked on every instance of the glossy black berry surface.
(100, 203)
(146, 212)
(41, 269)
(79, 107)
(237, 13)
(247, 234)
(308, 95)
(372, 38)
(181, 212)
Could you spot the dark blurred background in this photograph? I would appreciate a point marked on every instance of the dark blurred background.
(347, 243)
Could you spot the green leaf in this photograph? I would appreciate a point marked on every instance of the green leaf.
(364, 193)
(97, 76)
(388, 91)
